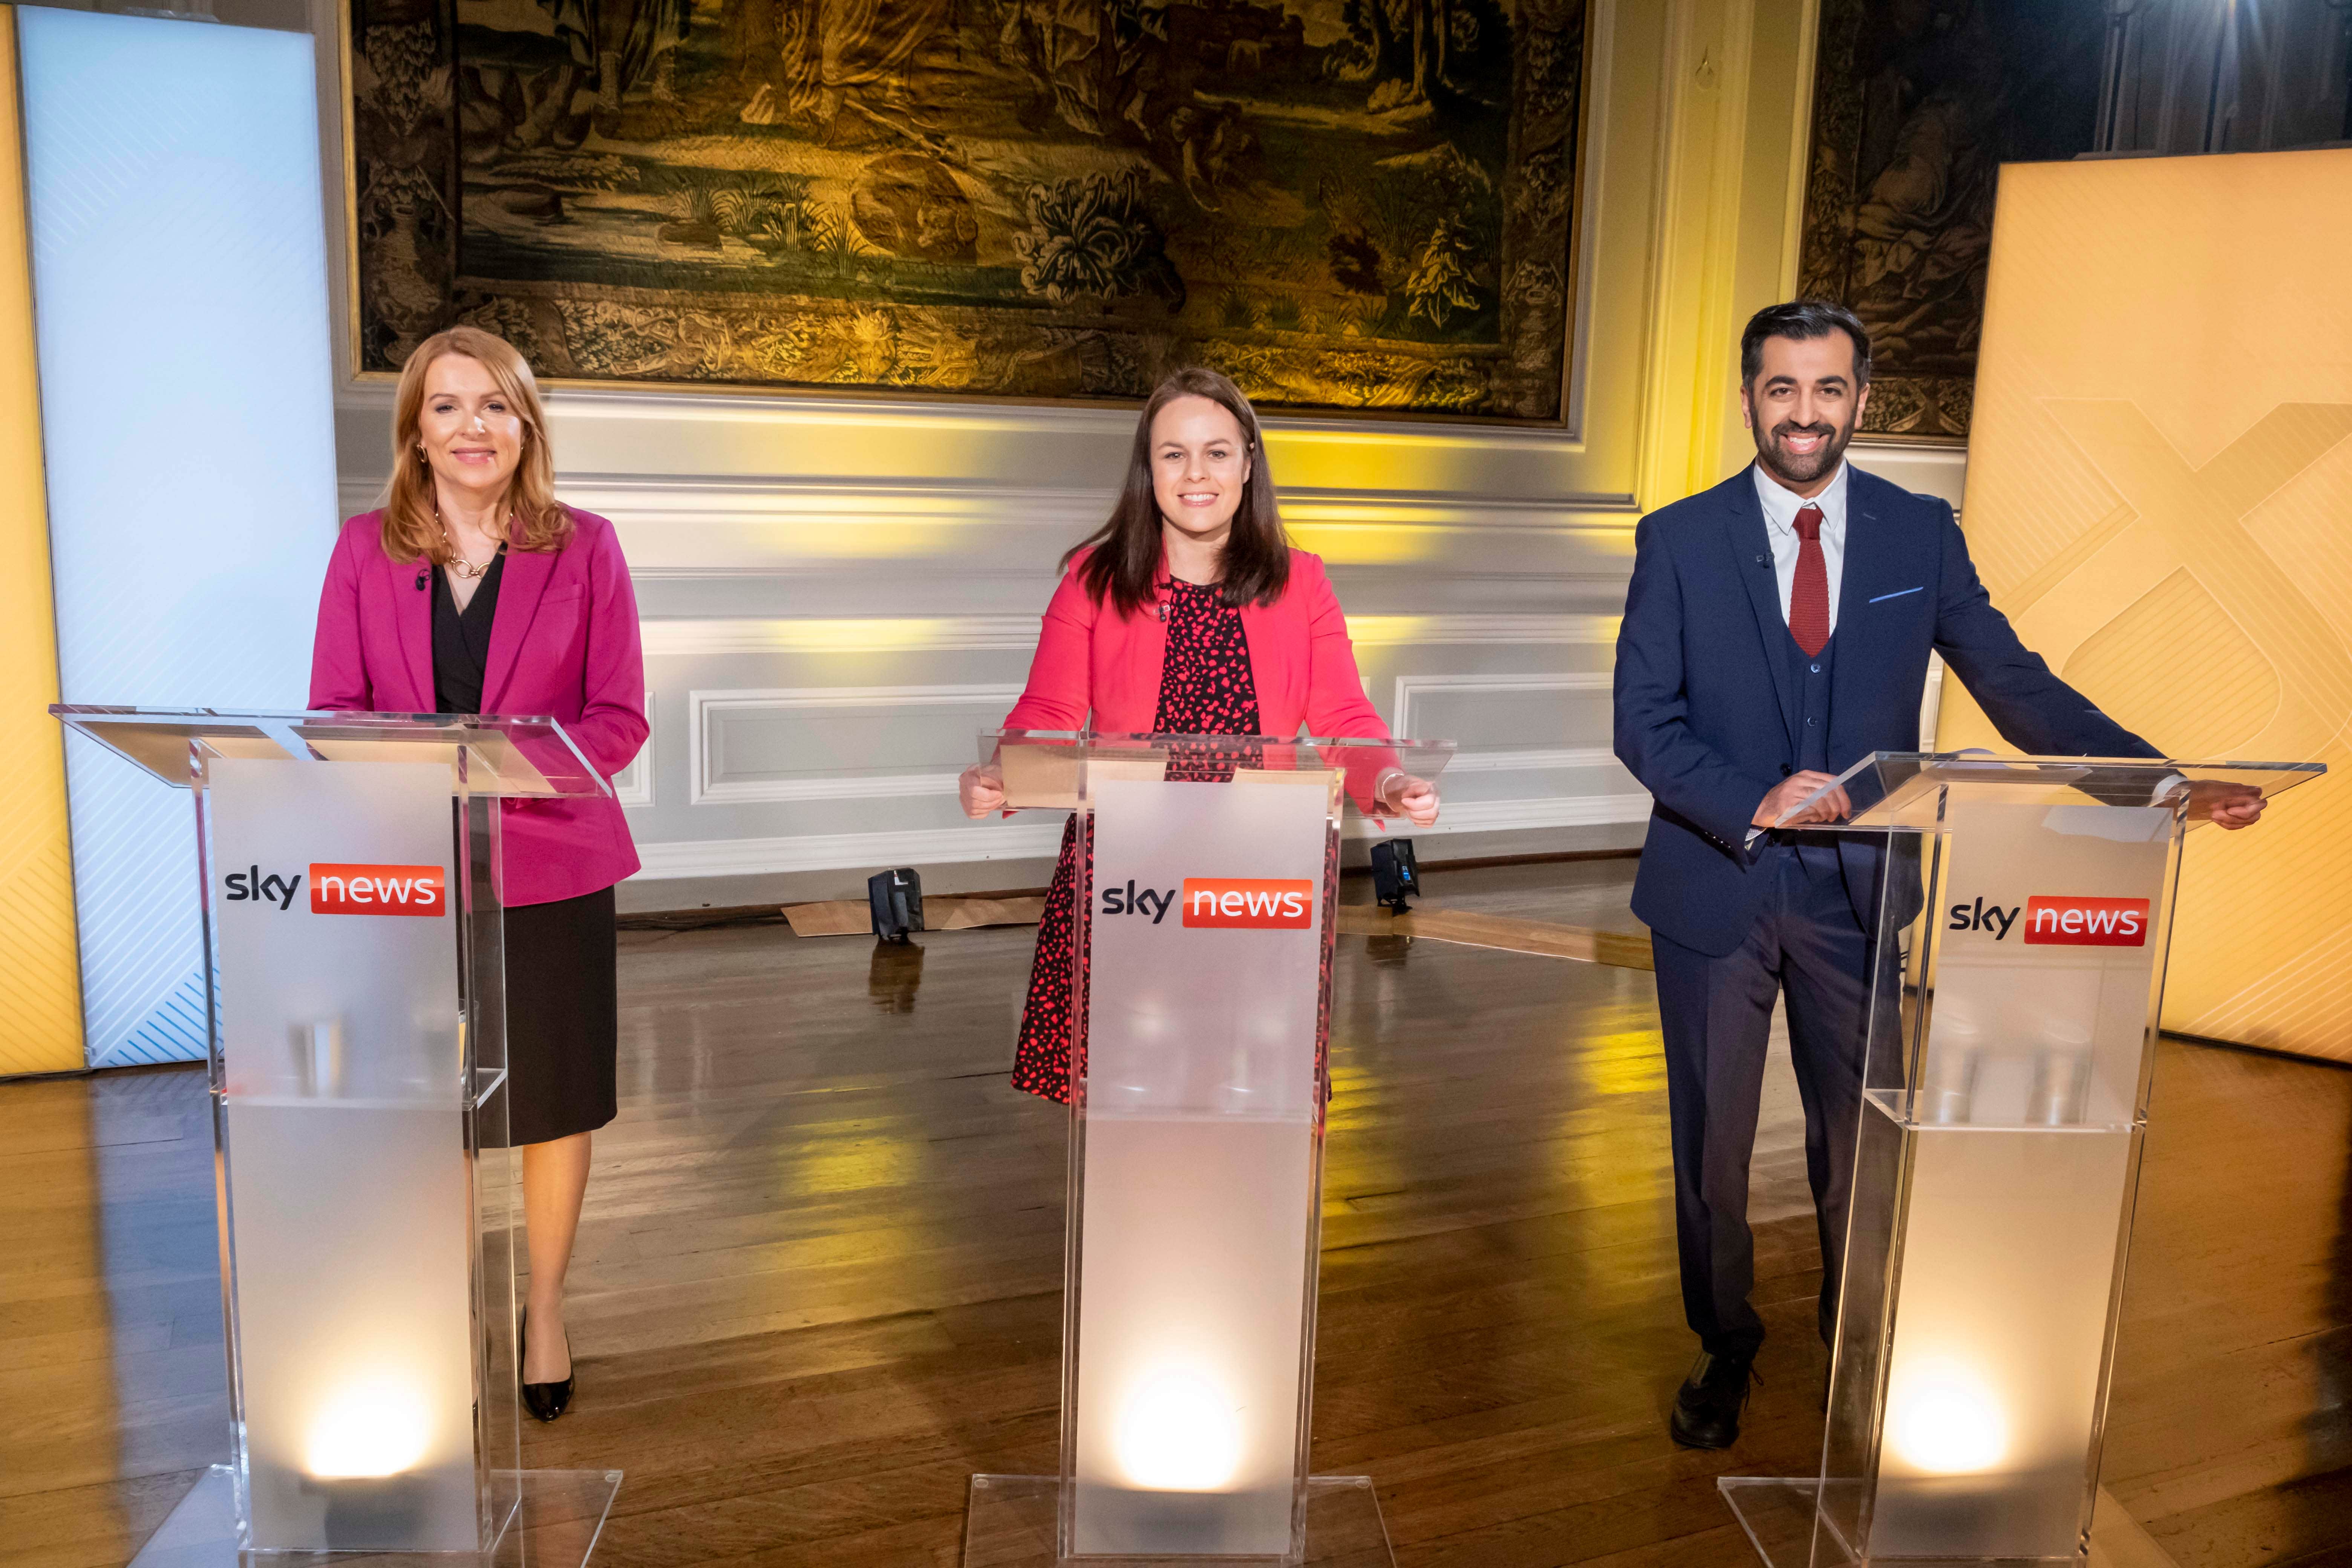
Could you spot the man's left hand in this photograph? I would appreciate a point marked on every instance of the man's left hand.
(2225, 804)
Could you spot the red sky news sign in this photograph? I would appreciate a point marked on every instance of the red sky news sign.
(1263, 903)
(2086, 922)
(377, 891)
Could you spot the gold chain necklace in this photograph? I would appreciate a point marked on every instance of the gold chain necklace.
(458, 566)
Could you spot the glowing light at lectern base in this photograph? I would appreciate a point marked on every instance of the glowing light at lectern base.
(1178, 1434)
(370, 1428)
(1945, 1421)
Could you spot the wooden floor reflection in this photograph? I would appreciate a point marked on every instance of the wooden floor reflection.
(818, 1285)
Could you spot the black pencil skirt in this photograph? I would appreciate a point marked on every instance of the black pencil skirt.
(563, 1018)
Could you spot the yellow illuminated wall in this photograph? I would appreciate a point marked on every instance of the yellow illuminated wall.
(2159, 493)
(40, 987)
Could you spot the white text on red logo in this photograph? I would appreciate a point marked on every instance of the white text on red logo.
(2085, 923)
(376, 890)
(1254, 902)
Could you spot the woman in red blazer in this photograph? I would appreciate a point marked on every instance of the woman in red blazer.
(474, 591)
(1186, 613)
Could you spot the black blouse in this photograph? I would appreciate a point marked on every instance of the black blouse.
(461, 639)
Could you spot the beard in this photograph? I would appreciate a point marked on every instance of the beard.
(1795, 469)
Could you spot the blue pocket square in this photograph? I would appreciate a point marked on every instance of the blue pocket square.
(1898, 594)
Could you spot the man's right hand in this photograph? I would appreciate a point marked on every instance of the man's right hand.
(1832, 807)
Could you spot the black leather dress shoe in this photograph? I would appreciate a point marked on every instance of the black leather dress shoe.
(1706, 1411)
(545, 1401)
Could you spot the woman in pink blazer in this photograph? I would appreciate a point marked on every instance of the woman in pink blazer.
(474, 591)
(1186, 613)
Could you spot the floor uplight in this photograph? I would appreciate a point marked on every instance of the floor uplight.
(1947, 1423)
(1178, 1434)
(379, 1426)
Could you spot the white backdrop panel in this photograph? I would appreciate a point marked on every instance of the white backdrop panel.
(180, 270)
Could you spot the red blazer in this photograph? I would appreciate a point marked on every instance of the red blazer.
(1091, 659)
(563, 645)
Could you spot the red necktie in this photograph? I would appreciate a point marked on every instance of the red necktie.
(1809, 595)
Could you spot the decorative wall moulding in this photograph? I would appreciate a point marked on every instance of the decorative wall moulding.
(1408, 687)
(1531, 761)
(634, 786)
(1018, 634)
(709, 714)
(689, 499)
(1042, 840)
(834, 851)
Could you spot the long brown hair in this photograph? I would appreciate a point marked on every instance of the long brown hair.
(412, 524)
(1127, 549)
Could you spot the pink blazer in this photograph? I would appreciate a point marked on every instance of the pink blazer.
(563, 645)
(1091, 659)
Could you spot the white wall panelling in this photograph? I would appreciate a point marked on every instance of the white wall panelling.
(1510, 772)
(188, 445)
(634, 786)
(717, 857)
(807, 743)
(1018, 634)
(1446, 702)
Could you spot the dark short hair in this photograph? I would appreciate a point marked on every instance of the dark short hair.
(1801, 320)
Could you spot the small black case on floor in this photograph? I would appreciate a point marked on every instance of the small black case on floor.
(896, 899)
(1395, 876)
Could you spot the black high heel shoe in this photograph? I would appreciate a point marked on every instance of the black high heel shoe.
(545, 1401)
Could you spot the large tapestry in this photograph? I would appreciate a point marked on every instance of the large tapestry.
(1916, 105)
(1341, 203)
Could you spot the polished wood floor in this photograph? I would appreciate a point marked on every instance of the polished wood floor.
(818, 1284)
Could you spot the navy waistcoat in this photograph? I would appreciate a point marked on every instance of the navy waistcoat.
(1809, 678)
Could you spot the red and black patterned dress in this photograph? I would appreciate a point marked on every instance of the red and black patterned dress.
(1206, 689)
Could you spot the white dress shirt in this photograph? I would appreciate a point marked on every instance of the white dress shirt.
(1781, 508)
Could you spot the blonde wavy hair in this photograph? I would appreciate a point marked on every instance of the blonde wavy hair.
(412, 524)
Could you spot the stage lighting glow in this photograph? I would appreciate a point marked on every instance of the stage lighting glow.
(1947, 1423)
(373, 1427)
(1178, 1434)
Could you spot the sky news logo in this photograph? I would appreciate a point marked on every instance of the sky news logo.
(1213, 903)
(2086, 922)
(340, 890)
(1257, 903)
(2059, 922)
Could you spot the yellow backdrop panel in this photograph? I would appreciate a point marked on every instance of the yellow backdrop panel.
(2160, 496)
(40, 984)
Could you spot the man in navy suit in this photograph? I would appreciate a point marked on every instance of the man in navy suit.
(1777, 632)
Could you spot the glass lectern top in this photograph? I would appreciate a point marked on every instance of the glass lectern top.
(1052, 769)
(498, 757)
(1911, 789)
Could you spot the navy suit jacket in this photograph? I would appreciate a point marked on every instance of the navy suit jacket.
(1705, 709)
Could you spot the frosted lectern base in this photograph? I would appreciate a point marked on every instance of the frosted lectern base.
(561, 1516)
(1778, 1513)
(1011, 1519)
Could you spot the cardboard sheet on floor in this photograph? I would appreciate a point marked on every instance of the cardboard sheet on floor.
(845, 918)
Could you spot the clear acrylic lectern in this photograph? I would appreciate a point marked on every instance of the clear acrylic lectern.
(352, 918)
(2024, 912)
(1209, 870)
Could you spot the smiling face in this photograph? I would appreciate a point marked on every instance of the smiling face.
(1199, 463)
(1802, 408)
(468, 428)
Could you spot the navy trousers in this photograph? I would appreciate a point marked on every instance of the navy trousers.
(1717, 1015)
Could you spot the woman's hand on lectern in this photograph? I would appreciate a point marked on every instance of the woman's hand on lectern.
(1416, 799)
(981, 788)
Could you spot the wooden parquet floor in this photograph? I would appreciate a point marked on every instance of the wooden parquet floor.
(819, 1279)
